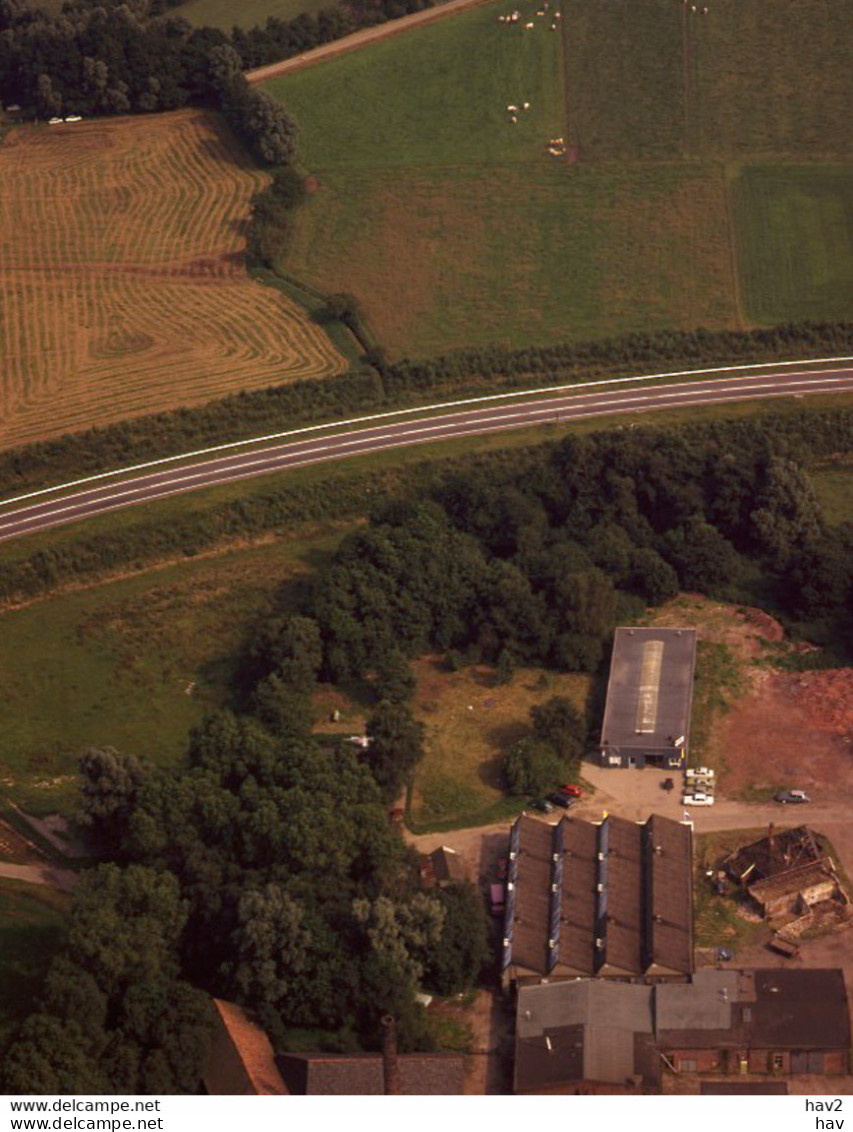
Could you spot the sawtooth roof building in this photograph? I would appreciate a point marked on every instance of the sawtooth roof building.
(649, 692)
(612, 898)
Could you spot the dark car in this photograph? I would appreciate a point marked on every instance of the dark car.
(542, 805)
(667, 784)
(562, 800)
(793, 796)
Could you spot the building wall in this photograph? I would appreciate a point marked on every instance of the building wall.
(696, 1060)
(775, 1063)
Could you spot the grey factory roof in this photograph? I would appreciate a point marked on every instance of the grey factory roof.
(650, 688)
(582, 1031)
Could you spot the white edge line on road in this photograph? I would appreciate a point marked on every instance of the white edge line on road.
(415, 409)
(388, 440)
(435, 424)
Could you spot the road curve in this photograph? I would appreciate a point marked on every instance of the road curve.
(125, 490)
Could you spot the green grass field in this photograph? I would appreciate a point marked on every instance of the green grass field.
(226, 14)
(131, 664)
(795, 241)
(31, 929)
(773, 80)
(833, 484)
(435, 96)
(455, 227)
(543, 255)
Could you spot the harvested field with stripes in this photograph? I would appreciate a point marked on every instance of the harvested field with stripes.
(123, 286)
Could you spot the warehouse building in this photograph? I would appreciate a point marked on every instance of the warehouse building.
(609, 899)
(647, 714)
(580, 1036)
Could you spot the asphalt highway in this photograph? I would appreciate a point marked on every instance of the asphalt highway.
(50, 509)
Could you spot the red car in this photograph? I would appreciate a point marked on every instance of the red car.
(571, 790)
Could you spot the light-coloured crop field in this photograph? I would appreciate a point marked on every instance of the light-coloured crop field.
(123, 287)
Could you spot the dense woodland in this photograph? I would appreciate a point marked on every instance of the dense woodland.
(267, 870)
(125, 56)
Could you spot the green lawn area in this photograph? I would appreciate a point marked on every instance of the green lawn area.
(795, 240)
(470, 722)
(31, 930)
(132, 664)
(225, 14)
(451, 256)
(436, 95)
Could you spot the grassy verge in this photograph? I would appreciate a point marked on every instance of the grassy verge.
(31, 931)
(471, 721)
(720, 679)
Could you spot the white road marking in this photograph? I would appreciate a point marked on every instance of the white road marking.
(421, 409)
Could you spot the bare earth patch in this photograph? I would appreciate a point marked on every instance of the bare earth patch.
(792, 729)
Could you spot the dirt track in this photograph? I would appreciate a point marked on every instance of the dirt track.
(358, 39)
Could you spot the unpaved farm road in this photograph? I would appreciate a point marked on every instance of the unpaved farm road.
(480, 847)
(68, 503)
(358, 39)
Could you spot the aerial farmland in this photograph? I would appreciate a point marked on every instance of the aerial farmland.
(123, 287)
(447, 208)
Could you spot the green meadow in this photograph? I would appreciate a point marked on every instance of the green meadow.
(454, 226)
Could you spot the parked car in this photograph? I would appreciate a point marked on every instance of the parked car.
(698, 798)
(698, 772)
(562, 800)
(497, 899)
(572, 790)
(785, 796)
(542, 805)
(667, 785)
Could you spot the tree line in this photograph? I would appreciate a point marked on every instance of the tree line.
(380, 385)
(799, 434)
(130, 56)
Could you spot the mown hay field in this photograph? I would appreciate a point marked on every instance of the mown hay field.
(455, 226)
(123, 286)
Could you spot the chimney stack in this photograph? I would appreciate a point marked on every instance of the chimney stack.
(390, 1065)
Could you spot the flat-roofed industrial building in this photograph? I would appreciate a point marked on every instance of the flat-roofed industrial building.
(647, 714)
